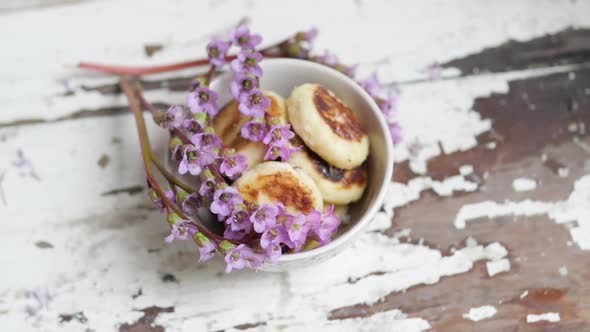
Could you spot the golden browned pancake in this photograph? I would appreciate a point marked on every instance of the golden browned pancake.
(338, 186)
(273, 182)
(327, 126)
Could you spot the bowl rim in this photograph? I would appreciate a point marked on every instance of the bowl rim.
(370, 213)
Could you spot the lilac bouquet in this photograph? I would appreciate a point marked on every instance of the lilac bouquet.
(254, 233)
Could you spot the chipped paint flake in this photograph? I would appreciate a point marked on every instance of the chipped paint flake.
(466, 170)
(393, 320)
(563, 271)
(524, 294)
(479, 313)
(496, 267)
(574, 209)
(548, 317)
(524, 184)
(400, 194)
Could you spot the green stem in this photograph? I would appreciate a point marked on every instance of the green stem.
(170, 177)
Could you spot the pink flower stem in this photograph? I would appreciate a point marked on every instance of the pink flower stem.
(146, 70)
(146, 152)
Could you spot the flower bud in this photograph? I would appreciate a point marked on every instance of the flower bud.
(207, 174)
(175, 148)
(201, 240)
(200, 117)
(225, 246)
(300, 36)
(202, 81)
(274, 121)
(293, 50)
(180, 195)
(221, 185)
(153, 195)
(174, 142)
(174, 218)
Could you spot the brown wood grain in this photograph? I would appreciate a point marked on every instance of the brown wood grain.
(533, 128)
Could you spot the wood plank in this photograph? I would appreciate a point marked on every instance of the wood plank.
(33, 86)
(84, 230)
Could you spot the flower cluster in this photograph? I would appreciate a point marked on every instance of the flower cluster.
(254, 234)
(387, 104)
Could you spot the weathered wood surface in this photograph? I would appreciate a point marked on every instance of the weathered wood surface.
(513, 103)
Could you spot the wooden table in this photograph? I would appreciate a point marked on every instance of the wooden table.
(490, 197)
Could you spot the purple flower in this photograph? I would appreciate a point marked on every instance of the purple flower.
(41, 299)
(297, 229)
(191, 204)
(310, 35)
(264, 217)
(172, 118)
(25, 165)
(192, 126)
(274, 252)
(324, 225)
(242, 37)
(158, 200)
(253, 103)
(203, 100)
(327, 59)
(372, 85)
(182, 230)
(241, 256)
(254, 130)
(275, 235)
(194, 85)
(216, 50)
(207, 189)
(280, 151)
(233, 165)
(224, 201)
(190, 161)
(207, 251)
(242, 83)
(434, 71)
(347, 70)
(279, 135)
(283, 217)
(234, 235)
(239, 221)
(396, 132)
(247, 62)
(176, 153)
(387, 106)
(207, 140)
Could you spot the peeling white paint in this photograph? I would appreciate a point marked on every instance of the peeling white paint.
(524, 294)
(100, 256)
(466, 170)
(563, 271)
(524, 184)
(548, 317)
(388, 321)
(563, 172)
(575, 209)
(400, 194)
(496, 267)
(479, 313)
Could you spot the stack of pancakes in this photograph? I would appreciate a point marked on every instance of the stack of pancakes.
(330, 168)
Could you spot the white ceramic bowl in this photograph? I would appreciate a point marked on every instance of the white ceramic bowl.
(281, 76)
